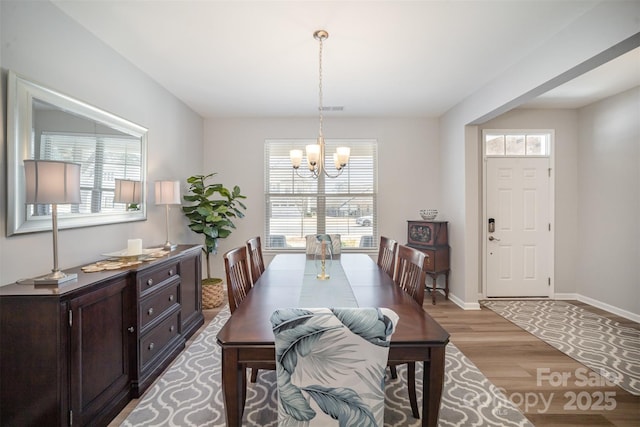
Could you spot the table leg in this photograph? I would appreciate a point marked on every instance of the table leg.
(432, 381)
(233, 387)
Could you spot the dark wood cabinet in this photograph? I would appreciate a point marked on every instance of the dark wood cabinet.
(432, 238)
(99, 352)
(76, 355)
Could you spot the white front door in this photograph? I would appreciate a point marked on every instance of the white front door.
(518, 253)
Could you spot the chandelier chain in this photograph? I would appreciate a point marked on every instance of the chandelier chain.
(320, 86)
(316, 152)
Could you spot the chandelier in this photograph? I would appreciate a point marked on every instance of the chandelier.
(316, 152)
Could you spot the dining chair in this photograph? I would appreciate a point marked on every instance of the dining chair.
(256, 261)
(330, 365)
(313, 240)
(238, 286)
(410, 276)
(387, 255)
(277, 241)
(367, 241)
(238, 279)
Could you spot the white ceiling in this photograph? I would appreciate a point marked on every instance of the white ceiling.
(382, 58)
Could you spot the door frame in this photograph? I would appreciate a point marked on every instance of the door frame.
(483, 226)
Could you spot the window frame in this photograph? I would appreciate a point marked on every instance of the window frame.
(361, 171)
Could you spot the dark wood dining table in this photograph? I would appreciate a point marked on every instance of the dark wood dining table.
(247, 336)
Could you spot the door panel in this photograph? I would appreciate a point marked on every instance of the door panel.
(517, 197)
(100, 365)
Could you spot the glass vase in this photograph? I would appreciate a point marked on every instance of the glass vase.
(323, 258)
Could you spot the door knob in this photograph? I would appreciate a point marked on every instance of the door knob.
(491, 238)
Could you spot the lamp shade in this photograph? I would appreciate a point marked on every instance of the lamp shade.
(168, 193)
(52, 182)
(127, 191)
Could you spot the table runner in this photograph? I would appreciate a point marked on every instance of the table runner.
(333, 292)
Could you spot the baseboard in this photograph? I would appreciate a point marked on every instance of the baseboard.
(566, 296)
(610, 308)
(601, 305)
(463, 305)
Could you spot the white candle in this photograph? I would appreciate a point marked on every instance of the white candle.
(134, 246)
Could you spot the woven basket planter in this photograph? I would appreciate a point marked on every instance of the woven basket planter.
(212, 293)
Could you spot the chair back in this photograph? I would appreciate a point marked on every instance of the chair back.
(387, 255)
(314, 240)
(277, 241)
(332, 362)
(367, 241)
(254, 248)
(410, 273)
(238, 280)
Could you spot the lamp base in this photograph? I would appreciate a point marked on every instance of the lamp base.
(56, 278)
(169, 246)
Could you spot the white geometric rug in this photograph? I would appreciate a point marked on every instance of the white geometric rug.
(189, 393)
(601, 344)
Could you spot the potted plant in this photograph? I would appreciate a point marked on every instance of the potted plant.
(210, 213)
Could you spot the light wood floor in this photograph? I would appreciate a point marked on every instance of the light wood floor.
(511, 358)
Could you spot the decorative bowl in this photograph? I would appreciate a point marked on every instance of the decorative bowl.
(429, 214)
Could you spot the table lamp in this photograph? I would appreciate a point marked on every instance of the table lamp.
(55, 183)
(128, 192)
(168, 193)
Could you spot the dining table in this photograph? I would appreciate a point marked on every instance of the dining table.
(355, 280)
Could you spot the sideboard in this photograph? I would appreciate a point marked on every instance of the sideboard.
(77, 354)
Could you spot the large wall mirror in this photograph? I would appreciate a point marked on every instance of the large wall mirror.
(45, 124)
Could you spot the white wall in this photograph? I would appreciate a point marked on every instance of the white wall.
(608, 238)
(565, 124)
(601, 33)
(43, 44)
(408, 167)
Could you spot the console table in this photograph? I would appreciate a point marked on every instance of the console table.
(77, 354)
(432, 238)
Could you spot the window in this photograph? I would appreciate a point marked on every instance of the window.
(99, 167)
(295, 206)
(517, 144)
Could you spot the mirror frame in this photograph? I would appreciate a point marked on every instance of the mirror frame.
(20, 95)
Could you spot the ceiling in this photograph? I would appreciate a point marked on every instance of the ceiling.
(382, 58)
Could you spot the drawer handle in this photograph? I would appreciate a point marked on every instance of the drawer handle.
(151, 346)
(150, 311)
(171, 272)
(171, 329)
(131, 329)
(149, 282)
(170, 297)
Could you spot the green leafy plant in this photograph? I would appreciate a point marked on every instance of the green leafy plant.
(213, 206)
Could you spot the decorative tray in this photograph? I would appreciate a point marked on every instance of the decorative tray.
(124, 253)
(122, 259)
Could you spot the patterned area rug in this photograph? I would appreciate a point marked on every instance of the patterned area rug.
(189, 393)
(601, 344)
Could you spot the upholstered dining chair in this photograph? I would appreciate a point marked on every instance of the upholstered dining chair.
(387, 255)
(256, 261)
(238, 286)
(313, 240)
(330, 365)
(410, 276)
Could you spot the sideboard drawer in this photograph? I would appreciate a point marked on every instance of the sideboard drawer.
(152, 344)
(154, 306)
(149, 280)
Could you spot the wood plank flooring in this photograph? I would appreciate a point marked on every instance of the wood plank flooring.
(550, 388)
(526, 368)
